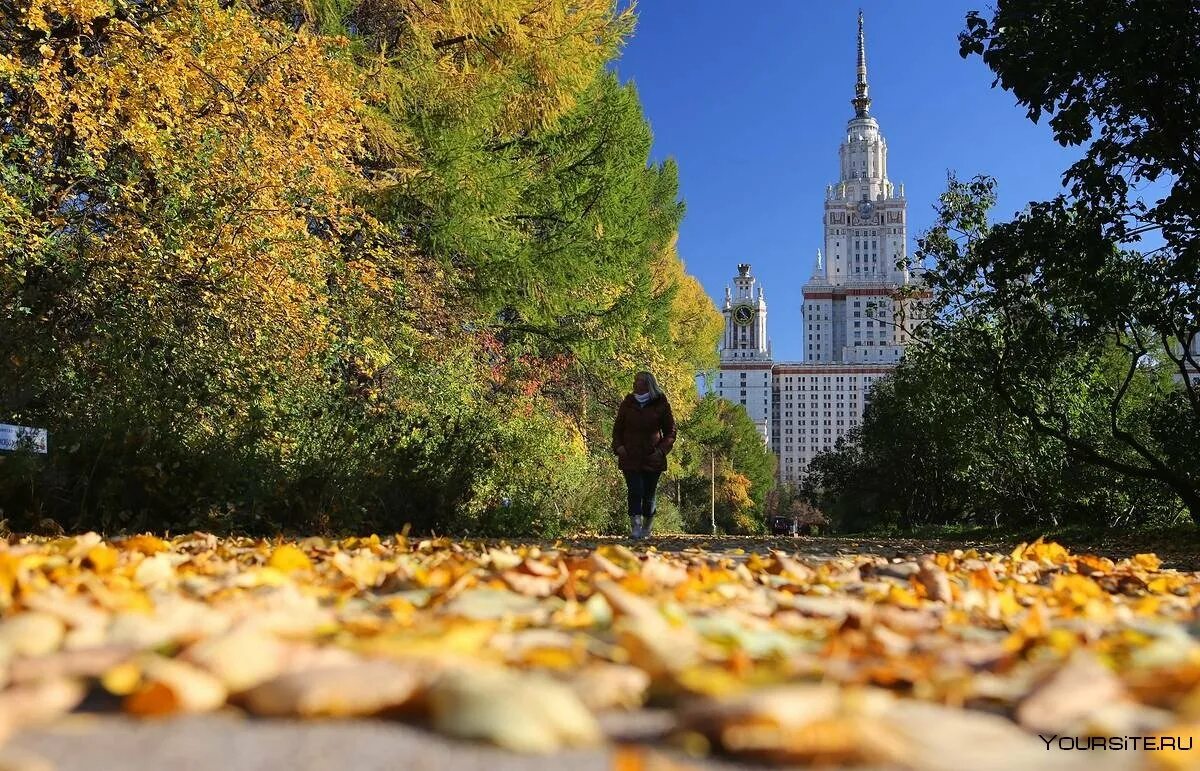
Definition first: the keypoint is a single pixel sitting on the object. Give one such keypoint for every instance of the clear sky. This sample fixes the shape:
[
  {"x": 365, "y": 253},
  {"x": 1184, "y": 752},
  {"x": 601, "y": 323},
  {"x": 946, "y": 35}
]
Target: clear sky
[{"x": 751, "y": 99}]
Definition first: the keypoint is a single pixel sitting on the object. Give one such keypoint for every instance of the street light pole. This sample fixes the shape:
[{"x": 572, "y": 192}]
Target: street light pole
[{"x": 712, "y": 499}]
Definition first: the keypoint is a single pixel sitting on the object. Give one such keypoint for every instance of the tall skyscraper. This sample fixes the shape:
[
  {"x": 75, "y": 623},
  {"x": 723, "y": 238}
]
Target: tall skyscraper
[{"x": 855, "y": 327}]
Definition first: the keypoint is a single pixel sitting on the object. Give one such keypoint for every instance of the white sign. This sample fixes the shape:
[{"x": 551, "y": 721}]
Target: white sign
[{"x": 19, "y": 437}]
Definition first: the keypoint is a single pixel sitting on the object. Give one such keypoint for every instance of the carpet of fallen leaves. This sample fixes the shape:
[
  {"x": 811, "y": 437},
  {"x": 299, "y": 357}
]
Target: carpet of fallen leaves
[{"x": 947, "y": 660}]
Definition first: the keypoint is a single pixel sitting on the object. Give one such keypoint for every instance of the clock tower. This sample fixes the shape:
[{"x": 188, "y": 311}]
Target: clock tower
[
  {"x": 745, "y": 371},
  {"x": 745, "y": 312}
]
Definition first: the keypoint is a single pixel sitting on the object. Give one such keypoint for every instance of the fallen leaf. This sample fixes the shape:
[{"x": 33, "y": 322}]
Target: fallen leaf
[
  {"x": 169, "y": 686},
  {"x": 653, "y": 643},
  {"x": 1069, "y": 695},
  {"x": 799, "y": 724},
  {"x": 934, "y": 581},
  {"x": 88, "y": 662},
  {"x": 358, "y": 689},
  {"x": 240, "y": 659},
  {"x": 287, "y": 558},
  {"x": 1146, "y": 561},
  {"x": 38, "y": 702},
  {"x": 604, "y": 686},
  {"x": 528, "y": 713},
  {"x": 34, "y": 633},
  {"x": 532, "y": 585}
]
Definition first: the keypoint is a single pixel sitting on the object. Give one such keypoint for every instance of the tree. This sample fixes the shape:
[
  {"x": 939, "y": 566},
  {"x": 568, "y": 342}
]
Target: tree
[
  {"x": 330, "y": 265},
  {"x": 1038, "y": 300},
  {"x": 172, "y": 212},
  {"x": 937, "y": 446},
  {"x": 720, "y": 433}
]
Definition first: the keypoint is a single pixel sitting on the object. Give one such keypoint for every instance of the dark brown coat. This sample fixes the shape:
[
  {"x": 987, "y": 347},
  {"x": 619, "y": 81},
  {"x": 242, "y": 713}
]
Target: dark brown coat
[{"x": 646, "y": 433}]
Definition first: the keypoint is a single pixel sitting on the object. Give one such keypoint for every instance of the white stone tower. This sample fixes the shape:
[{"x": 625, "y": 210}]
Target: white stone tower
[
  {"x": 745, "y": 313},
  {"x": 745, "y": 376},
  {"x": 854, "y": 329},
  {"x": 849, "y": 314}
]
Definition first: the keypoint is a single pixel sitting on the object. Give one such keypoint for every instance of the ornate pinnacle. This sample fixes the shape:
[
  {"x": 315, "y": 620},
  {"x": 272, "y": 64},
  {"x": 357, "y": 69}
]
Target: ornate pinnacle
[{"x": 861, "y": 102}]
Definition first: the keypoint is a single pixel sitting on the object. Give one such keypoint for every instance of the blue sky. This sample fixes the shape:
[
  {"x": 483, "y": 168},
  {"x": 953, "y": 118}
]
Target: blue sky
[{"x": 751, "y": 100}]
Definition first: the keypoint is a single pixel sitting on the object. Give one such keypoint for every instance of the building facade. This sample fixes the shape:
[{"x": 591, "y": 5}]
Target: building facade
[{"x": 855, "y": 325}]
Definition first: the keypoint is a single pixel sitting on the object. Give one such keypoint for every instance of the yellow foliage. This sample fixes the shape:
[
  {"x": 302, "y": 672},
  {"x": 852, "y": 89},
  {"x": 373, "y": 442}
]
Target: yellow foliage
[
  {"x": 221, "y": 114},
  {"x": 695, "y": 328},
  {"x": 472, "y": 47}
]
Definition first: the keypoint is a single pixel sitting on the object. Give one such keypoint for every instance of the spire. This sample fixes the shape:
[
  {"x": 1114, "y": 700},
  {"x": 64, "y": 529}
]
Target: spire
[{"x": 861, "y": 102}]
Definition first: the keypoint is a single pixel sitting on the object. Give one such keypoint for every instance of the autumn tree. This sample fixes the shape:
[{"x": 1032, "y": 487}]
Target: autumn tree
[
  {"x": 331, "y": 264},
  {"x": 721, "y": 435},
  {"x": 171, "y": 214},
  {"x": 1099, "y": 268}
]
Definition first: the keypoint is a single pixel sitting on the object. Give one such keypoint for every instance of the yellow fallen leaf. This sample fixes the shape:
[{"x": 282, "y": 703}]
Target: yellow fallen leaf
[
  {"x": 287, "y": 558},
  {"x": 1178, "y": 753},
  {"x": 102, "y": 558},
  {"x": 1047, "y": 554},
  {"x": 123, "y": 679},
  {"x": 1146, "y": 561},
  {"x": 264, "y": 576},
  {"x": 146, "y": 544},
  {"x": 707, "y": 680},
  {"x": 898, "y": 595}
]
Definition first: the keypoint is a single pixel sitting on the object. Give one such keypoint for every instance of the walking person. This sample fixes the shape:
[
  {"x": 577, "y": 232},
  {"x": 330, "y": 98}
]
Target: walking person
[{"x": 643, "y": 433}]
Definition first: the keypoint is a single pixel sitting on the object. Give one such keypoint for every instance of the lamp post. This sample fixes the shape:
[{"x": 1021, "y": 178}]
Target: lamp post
[{"x": 712, "y": 499}]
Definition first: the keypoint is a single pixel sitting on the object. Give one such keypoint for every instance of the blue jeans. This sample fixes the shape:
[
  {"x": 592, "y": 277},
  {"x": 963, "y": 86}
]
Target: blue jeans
[{"x": 641, "y": 485}]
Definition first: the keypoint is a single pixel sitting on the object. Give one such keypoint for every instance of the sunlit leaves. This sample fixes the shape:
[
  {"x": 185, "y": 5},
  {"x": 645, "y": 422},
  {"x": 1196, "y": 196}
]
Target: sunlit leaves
[
  {"x": 330, "y": 264},
  {"x": 444, "y": 632}
]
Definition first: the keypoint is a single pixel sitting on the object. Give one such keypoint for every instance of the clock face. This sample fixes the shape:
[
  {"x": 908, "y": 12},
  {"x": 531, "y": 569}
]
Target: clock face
[
  {"x": 865, "y": 208},
  {"x": 743, "y": 314}
]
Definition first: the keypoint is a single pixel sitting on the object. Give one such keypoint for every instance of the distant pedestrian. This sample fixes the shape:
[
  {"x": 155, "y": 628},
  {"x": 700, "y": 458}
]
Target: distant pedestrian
[{"x": 642, "y": 436}]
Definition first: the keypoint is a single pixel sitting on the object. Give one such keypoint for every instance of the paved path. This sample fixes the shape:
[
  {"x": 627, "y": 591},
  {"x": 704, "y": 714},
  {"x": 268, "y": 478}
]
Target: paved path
[{"x": 230, "y": 742}]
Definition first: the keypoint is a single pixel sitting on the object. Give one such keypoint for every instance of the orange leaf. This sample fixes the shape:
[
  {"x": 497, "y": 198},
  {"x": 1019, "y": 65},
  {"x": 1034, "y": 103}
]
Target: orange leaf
[
  {"x": 146, "y": 544},
  {"x": 1146, "y": 561}
]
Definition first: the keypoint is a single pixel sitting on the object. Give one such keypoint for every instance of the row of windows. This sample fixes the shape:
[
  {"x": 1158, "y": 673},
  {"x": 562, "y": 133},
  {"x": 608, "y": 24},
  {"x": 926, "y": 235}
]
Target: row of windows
[
  {"x": 826, "y": 387},
  {"x": 826, "y": 423},
  {"x": 822, "y": 378},
  {"x": 864, "y": 232}
]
